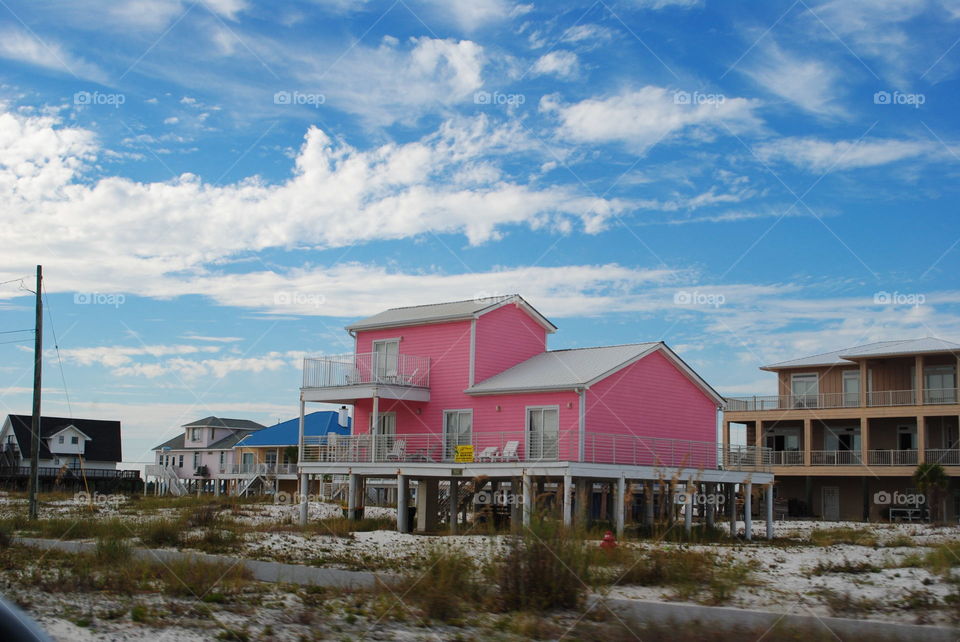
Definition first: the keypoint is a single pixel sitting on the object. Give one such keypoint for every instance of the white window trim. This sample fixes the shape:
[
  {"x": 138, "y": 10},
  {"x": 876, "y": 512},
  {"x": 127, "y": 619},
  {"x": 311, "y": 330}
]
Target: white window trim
[
  {"x": 794, "y": 375},
  {"x": 526, "y": 421},
  {"x": 457, "y": 411}
]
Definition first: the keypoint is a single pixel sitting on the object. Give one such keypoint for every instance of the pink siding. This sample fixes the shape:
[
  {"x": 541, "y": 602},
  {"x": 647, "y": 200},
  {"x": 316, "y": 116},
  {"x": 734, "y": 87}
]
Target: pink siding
[
  {"x": 448, "y": 346},
  {"x": 651, "y": 398},
  {"x": 504, "y": 338}
]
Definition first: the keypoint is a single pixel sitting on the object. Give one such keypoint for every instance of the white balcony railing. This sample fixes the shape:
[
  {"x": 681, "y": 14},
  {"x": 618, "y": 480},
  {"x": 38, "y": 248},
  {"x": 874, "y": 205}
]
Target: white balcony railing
[
  {"x": 262, "y": 469},
  {"x": 943, "y": 456},
  {"x": 835, "y": 458},
  {"x": 875, "y": 399},
  {"x": 893, "y": 457},
  {"x": 787, "y": 457},
  {"x": 520, "y": 446},
  {"x": 366, "y": 368}
]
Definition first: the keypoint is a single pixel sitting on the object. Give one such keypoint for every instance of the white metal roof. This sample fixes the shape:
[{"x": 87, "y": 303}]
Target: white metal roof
[
  {"x": 581, "y": 367},
  {"x": 451, "y": 311},
  {"x": 562, "y": 369},
  {"x": 877, "y": 349}
]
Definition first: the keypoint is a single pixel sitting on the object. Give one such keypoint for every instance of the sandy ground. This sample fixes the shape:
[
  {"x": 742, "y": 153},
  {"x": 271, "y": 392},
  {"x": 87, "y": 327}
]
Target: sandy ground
[{"x": 783, "y": 581}]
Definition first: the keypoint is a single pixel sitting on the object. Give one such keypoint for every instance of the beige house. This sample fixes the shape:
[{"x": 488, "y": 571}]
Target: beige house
[{"x": 848, "y": 428}]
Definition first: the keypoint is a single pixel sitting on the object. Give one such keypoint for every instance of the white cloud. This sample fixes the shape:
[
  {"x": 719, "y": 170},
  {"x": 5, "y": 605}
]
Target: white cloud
[
  {"x": 474, "y": 14},
  {"x": 809, "y": 84},
  {"x": 392, "y": 82},
  {"x": 158, "y": 14},
  {"x": 19, "y": 45},
  {"x": 196, "y": 337},
  {"x": 563, "y": 64},
  {"x": 818, "y": 155},
  {"x": 117, "y": 356},
  {"x": 114, "y": 234},
  {"x": 649, "y": 115},
  {"x": 586, "y": 33}
]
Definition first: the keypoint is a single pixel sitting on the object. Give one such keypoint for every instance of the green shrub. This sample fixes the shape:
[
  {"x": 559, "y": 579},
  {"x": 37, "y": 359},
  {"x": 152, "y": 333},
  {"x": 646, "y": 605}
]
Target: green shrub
[
  {"x": 161, "y": 532},
  {"x": 195, "y": 578},
  {"x": 448, "y": 586},
  {"x": 547, "y": 566},
  {"x": 844, "y": 535}
]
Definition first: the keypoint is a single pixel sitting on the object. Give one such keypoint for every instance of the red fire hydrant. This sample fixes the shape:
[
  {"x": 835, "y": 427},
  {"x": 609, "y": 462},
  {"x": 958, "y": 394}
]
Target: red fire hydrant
[{"x": 609, "y": 541}]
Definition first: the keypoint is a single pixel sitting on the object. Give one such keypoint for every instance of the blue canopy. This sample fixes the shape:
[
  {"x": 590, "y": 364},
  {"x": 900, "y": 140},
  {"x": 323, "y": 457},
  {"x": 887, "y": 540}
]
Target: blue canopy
[{"x": 317, "y": 424}]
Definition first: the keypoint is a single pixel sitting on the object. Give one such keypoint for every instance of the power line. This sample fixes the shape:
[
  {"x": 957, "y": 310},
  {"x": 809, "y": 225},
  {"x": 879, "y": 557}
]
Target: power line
[
  {"x": 13, "y": 280},
  {"x": 3, "y": 343},
  {"x": 12, "y": 331},
  {"x": 56, "y": 345}
]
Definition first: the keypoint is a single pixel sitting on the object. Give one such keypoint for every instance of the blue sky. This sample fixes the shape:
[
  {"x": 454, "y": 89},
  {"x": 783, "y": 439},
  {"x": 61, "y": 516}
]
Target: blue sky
[{"x": 216, "y": 188}]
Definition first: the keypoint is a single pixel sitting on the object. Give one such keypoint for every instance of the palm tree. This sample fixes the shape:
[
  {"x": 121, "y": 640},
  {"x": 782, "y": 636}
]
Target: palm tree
[{"x": 932, "y": 481}]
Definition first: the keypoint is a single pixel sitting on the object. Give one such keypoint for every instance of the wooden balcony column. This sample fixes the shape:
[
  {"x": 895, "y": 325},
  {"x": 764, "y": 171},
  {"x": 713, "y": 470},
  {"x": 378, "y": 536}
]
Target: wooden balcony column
[
  {"x": 921, "y": 439},
  {"x": 758, "y": 434},
  {"x": 807, "y": 441},
  {"x": 918, "y": 383},
  {"x": 864, "y": 441},
  {"x": 864, "y": 377}
]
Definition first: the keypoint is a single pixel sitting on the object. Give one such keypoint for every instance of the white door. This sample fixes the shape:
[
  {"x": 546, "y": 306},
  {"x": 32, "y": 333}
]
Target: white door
[
  {"x": 806, "y": 390},
  {"x": 831, "y": 503},
  {"x": 457, "y": 431},
  {"x": 543, "y": 432},
  {"x": 386, "y": 355},
  {"x": 384, "y": 434}
]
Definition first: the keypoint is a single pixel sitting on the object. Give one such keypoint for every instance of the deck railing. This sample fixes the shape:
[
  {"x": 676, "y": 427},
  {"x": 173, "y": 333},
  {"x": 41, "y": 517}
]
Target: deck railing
[
  {"x": 943, "y": 456},
  {"x": 262, "y": 469},
  {"x": 366, "y": 368},
  {"x": 875, "y": 399},
  {"x": 893, "y": 457},
  {"x": 787, "y": 457},
  {"x": 520, "y": 446},
  {"x": 69, "y": 473}
]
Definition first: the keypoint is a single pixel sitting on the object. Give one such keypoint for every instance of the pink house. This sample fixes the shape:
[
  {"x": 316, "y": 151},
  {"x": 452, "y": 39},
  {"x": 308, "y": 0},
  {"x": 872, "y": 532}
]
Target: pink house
[{"x": 468, "y": 390}]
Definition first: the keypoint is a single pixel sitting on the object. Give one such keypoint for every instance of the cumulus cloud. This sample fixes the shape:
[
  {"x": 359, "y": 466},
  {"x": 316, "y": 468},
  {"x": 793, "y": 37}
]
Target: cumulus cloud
[
  {"x": 646, "y": 116},
  {"x": 114, "y": 234},
  {"x": 563, "y": 64}
]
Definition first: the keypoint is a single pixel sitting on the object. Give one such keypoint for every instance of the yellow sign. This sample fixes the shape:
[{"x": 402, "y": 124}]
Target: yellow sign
[{"x": 464, "y": 454}]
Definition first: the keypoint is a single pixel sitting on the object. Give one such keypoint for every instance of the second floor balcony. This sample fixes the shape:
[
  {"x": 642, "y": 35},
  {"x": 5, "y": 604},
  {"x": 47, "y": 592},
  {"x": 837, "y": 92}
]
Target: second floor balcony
[
  {"x": 874, "y": 399},
  {"x": 347, "y": 377}
]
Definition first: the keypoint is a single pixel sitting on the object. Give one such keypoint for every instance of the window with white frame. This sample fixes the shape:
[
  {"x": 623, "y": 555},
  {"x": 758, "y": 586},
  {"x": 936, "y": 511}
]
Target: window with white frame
[
  {"x": 805, "y": 390},
  {"x": 457, "y": 430}
]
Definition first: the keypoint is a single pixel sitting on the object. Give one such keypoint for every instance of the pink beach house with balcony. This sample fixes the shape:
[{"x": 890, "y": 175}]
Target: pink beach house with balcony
[{"x": 464, "y": 398}]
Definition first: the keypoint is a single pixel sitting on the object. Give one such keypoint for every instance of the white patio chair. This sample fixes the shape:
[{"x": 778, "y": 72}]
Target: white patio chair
[
  {"x": 509, "y": 452},
  {"x": 490, "y": 453},
  {"x": 398, "y": 451}
]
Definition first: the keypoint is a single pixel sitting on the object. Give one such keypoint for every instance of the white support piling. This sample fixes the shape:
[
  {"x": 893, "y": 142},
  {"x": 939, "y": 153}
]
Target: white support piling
[
  {"x": 527, "y": 498},
  {"x": 770, "y": 511},
  {"x": 688, "y": 509},
  {"x": 567, "y": 500},
  {"x": 747, "y": 511},
  {"x": 620, "y": 507},
  {"x": 403, "y": 515},
  {"x": 304, "y": 485},
  {"x": 352, "y": 496}
]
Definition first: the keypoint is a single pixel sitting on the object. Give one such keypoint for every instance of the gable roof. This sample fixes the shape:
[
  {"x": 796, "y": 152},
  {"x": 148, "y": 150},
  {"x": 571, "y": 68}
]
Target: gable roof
[
  {"x": 578, "y": 368},
  {"x": 287, "y": 433},
  {"x": 450, "y": 311},
  {"x": 104, "y": 444},
  {"x": 179, "y": 442},
  {"x": 218, "y": 422},
  {"x": 66, "y": 428},
  {"x": 876, "y": 349}
]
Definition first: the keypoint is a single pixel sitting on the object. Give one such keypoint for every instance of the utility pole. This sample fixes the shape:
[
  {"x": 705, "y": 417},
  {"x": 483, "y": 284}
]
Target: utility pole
[{"x": 35, "y": 422}]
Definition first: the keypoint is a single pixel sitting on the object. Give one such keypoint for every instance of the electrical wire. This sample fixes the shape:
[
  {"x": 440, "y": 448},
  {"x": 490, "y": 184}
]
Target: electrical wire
[
  {"x": 12, "y": 331},
  {"x": 56, "y": 346}
]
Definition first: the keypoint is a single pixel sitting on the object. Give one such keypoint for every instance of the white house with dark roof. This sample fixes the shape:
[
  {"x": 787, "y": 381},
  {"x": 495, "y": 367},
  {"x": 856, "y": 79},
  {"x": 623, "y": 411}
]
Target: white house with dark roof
[{"x": 201, "y": 456}]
